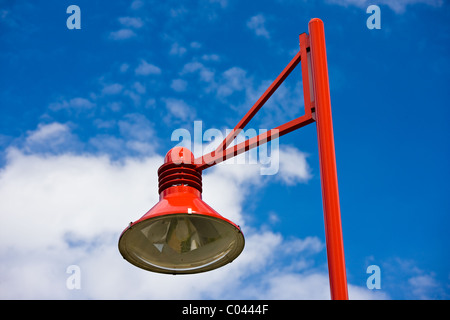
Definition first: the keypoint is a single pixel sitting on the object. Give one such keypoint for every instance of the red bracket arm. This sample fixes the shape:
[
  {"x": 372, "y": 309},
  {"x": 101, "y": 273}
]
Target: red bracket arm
[
  {"x": 316, "y": 92},
  {"x": 223, "y": 153}
]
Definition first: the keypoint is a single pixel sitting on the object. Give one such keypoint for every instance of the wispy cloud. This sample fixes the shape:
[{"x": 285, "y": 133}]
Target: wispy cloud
[
  {"x": 233, "y": 80},
  {"x": 177, "y": 50},
  {"x": 239, "y": 89},
  {"x": 133, "y": 22},
  {"x": 137, "y": 4},
  {"x": 77, "y": 103},
  {"x": 129, "y": 25},
  {"x": 178, "y": 110},
  {"x": 179, "y": 85},
  {"x": 206, "y": 74},
  {"x": 122, "y": 34},
  {"x": 136, "y": 127},
  {"x": 136, "y": 137},
  {"x": 145, "y": 69},
  {"x": 111, "y": 89},
  {"x": 51, "y": 138},
  {"x": 257, "y": 24},
  {"x": 404, "y": 278}
]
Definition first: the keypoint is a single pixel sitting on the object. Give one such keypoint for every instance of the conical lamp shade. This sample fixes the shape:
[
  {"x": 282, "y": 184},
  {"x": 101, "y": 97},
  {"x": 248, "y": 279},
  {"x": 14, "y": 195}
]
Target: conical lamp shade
[{"x": 181, "y": 234}]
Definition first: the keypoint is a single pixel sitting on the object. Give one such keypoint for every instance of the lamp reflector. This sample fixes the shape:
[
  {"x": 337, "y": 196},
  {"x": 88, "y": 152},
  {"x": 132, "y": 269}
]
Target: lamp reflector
[{"x": 181, "y": 243}]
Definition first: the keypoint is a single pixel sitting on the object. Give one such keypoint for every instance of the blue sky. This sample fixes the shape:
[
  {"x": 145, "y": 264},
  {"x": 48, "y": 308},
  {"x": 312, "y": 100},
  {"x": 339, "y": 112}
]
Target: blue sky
[{"x": 88, "y": 114}]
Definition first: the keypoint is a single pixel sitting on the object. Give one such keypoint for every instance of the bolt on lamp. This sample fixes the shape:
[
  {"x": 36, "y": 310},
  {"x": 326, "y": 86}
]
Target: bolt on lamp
[{"x": 181, "y": 234}]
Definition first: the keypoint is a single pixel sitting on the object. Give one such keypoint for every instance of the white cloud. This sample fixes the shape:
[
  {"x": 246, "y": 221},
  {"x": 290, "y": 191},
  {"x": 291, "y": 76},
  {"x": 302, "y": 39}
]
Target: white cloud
[
  {"x": 210, "y": 57},
  {"x": 423, "y": 286},
  {"x": 132, "y": 22},
  {"x": 398, "y": 6},
  {"x": 192, "y": 67},
  {"x": 237, "y": 88},
  {"x": 136, "y": 127},
  {"x": 139, "y": 87},
  {"x": 137, "y": 4},
  {"x": 176, "y": 12},
  {"x": 412, "y": 281},
  {"x": 206, "y": 74},
  {"x": 46, "y": 132},
  {"x": 57, "y": 211},
  {"x": 257, "y": 24},
  {"x": 80, "y": 103},
  {"x": 53, "y": 137},
  {"x": 135, "y": 97},
  {"x": 177, "y": 50},
  {"x": 69, "y": 209},
  {"x": 136, "y": 137},
  {"x": 179, "y": 85},
  {"x": 127, "y": 32},
  {"x": 141, "y": 147},
  {"x": 112, "y": 89},
  {"x": 289, "y": 286},
  {"x": 122, "y": 34},
  {"x": 362, "y": 293},
  {"x": 124, "y": 67},
  {"x": 146, "y": 68},
  {"x": 232, "y": 80},
  {"x": 195, "y": 45},
  {"x": 77, "y": 103},
  {"x": 293, "y": 166},
  {"x": 178, "y": 109},
  {"x": 312, "y": 244}
]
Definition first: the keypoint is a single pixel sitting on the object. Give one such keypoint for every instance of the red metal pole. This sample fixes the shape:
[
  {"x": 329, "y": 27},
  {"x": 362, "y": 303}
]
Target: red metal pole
[{"x": 328, "y": 172}]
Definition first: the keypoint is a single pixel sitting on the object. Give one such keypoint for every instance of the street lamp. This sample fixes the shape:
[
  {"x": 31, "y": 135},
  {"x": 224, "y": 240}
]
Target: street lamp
[{"x": 181, "y": 234}]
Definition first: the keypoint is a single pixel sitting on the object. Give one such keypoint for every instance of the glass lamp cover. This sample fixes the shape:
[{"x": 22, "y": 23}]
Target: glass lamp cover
[{"x": 181, "y": 243}]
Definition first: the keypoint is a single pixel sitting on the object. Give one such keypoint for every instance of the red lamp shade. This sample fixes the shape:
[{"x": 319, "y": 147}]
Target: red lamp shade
[{"x": 181, "y": 234}]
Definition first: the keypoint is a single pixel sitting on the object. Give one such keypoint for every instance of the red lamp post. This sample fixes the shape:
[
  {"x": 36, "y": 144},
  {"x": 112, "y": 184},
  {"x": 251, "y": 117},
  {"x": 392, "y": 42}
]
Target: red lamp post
[
  {"x": 327, "y": 158},
  {"x": 182, "y": 234}
]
